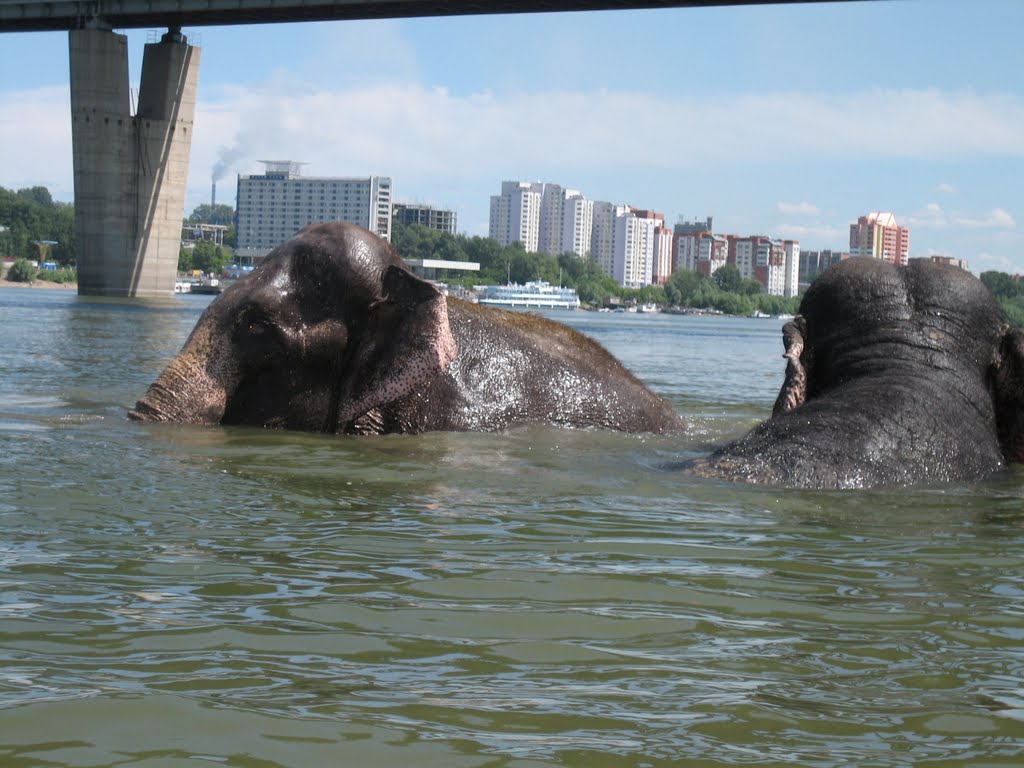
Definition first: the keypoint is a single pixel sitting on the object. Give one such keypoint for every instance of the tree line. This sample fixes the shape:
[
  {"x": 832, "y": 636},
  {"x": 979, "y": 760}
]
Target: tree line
[
  {"x": 203, "y": 254},
  {"x": 31, "y": 216},
  {"x": 1008, "y": 292}
]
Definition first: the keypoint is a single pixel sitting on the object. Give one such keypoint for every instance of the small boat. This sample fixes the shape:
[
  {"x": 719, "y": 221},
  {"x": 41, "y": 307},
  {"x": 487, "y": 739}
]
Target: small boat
[{"x": 208, "y": 287}]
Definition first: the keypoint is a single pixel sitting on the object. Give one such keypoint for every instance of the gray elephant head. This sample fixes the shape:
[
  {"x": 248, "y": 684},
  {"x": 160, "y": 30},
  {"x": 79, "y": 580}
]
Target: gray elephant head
[
  {"x": 329, "y": 325},
  {"x": 894, "y": 376},
  {"x": 332, "y": 333}
]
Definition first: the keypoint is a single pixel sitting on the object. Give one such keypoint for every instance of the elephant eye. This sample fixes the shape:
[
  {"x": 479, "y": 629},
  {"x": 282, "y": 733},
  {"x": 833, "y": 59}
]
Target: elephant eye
[{"x": 257, "y": 327}]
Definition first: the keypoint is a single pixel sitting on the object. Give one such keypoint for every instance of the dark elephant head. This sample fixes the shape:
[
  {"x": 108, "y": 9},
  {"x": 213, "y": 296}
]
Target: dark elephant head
[
  {"x": 332, "y": 333},
  {"x": 894, "y": 376},
  {"x": 330, "y": 324}
]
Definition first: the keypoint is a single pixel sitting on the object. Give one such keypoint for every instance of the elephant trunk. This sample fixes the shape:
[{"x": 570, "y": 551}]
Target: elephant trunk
[
  {"x": 194, "y": 388},
  {"x": 183, "y": 393}
]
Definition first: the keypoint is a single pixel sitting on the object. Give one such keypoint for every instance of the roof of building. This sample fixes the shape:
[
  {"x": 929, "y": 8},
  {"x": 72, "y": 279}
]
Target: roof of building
[{"x": 882, "y": 218}]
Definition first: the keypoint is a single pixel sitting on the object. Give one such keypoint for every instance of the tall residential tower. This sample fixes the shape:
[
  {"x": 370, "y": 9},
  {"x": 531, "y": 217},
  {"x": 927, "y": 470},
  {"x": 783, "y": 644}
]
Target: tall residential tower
[
  {"x": 515, "y": 215},
  {"x": 878, "y": 236}
]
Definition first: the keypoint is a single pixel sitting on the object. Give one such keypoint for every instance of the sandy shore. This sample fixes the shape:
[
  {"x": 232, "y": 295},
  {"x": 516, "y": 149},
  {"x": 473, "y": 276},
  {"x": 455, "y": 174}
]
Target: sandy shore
[{"x": 39, "y": 284}]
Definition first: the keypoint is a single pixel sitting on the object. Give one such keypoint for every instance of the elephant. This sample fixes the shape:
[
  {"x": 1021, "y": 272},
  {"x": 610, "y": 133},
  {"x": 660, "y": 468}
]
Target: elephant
[
  {"x": 332, "y": 333},
  {"x": 895, "y": 376}
]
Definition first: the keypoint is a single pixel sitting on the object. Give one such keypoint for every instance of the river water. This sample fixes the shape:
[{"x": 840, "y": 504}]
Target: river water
[{"x": 179, "y": 596}]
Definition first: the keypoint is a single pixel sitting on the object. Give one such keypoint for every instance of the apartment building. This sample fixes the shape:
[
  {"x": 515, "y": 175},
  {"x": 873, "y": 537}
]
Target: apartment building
[
  {"x": 702, "y": 252},
  {"x": 791, "y": 286},
  {"x": 813, "y": 263},
  {"x": 631, "y": 245},
  {"x": 664, "y": 254},
  {"x": 274, "y": 205},
  {"x": 775, "y": 264},
  {"x": 426, "y": 216},
  {"x": 878, "y": 236},
  {"x": 577, "y": 224},
  {"x": 552, "y": 197},
  {"x": 633, "y": 256},
  {"x": 602, "y": 241},
  {"x": 743, "y": 253},
  {"x": 544, "y": 217},
  {"x": 515, "y": 215},
  {"x": 684, "y": 243},
  {"x": 778, "y": 267},
  {"x": 949, "y": 261}
]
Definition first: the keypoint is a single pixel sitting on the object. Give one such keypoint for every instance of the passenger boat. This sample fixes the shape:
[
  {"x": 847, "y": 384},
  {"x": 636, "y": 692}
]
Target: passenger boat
[{"x": 538, "y": 294}]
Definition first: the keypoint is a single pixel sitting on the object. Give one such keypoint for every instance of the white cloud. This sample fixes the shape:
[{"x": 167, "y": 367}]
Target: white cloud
[
  {"x": 998, "y": 218},
  {"x": 815, "y": 236},
  {"x": 933, "y": 216},
  {"x": 946, "y": 189},
  {"x": 425, "y": 135},
  {"x": 431, "y": 138},
  {"x": 798, "y": 209},
  {"x": 984, "y": 261},
  {"x": 35, "y": 130}
]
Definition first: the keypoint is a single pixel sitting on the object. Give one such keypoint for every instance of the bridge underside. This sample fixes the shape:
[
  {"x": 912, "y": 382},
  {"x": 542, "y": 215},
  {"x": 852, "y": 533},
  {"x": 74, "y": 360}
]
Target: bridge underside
[{"x": 39, "y": 15}]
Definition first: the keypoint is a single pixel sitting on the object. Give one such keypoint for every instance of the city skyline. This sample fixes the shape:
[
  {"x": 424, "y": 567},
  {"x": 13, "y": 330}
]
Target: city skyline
[{"x": 790, "y": 121}]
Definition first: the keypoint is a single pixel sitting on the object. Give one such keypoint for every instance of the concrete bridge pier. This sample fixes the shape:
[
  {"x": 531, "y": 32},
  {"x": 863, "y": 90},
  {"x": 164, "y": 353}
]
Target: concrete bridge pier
[{"x": 130, "y": 170}]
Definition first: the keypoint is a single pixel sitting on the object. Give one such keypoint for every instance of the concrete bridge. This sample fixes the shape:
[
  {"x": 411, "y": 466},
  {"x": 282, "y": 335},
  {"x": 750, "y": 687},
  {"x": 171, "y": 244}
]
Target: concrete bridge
[{"x": 130, "y": 170}]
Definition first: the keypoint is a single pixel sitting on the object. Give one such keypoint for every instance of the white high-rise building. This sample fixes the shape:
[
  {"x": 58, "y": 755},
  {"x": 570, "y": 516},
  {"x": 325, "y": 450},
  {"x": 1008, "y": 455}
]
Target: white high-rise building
[
  {"x": 515, "y": 215},
  {"x": 552, "y": 196},
  {"x": 602, "y": 240},
  {"x": 686, "y": 252},
  {"x": 545, "y": 218},
  {"x": 778, "y": 266},
  {"x": 745, "y": 254},
  {"x": 633, "y": 259},
  {"x": 273, "y": 206},
  {"x": 791, "y": 284},
  {"x": 577, "y": 224}
]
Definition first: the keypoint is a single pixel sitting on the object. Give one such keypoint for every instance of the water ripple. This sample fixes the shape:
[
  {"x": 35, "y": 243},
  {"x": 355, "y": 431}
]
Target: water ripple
[{"x": 533, "y": 598}]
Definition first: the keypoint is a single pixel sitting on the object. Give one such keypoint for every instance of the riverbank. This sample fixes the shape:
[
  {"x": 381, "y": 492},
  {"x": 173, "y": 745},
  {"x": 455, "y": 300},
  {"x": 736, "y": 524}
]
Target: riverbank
[{"x": 38, "y": 284}]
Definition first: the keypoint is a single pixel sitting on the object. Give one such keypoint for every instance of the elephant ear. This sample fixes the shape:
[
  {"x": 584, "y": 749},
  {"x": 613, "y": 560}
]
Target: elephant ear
[
  {"x": 794, "y": 388},
  {"x": 1008, "y": 393},
  {"x": 407, "y": 340}
]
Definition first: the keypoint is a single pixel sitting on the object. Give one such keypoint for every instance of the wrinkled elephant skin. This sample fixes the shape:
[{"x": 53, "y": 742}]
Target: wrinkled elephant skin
[
  {"x": 895, "y": 376},
  {"x": 332, "y": 333}
]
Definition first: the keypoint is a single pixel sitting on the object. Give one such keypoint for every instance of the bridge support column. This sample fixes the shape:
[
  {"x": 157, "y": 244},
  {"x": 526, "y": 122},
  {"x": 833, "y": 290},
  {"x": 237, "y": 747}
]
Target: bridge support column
[{"x": 130, "y": 171}]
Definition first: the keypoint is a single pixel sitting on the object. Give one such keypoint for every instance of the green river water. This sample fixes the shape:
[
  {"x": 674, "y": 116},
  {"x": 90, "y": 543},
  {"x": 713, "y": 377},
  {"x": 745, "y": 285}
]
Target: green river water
[{"x": 179, "y": 596}]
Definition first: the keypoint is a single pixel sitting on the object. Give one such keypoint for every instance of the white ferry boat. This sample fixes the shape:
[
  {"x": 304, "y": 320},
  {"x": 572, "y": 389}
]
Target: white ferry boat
[{"x": 537, "y": 294}]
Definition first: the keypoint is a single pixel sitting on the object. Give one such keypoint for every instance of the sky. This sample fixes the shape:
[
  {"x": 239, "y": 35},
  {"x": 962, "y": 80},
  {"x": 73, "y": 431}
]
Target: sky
[{"x": 782, "y": 120}]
